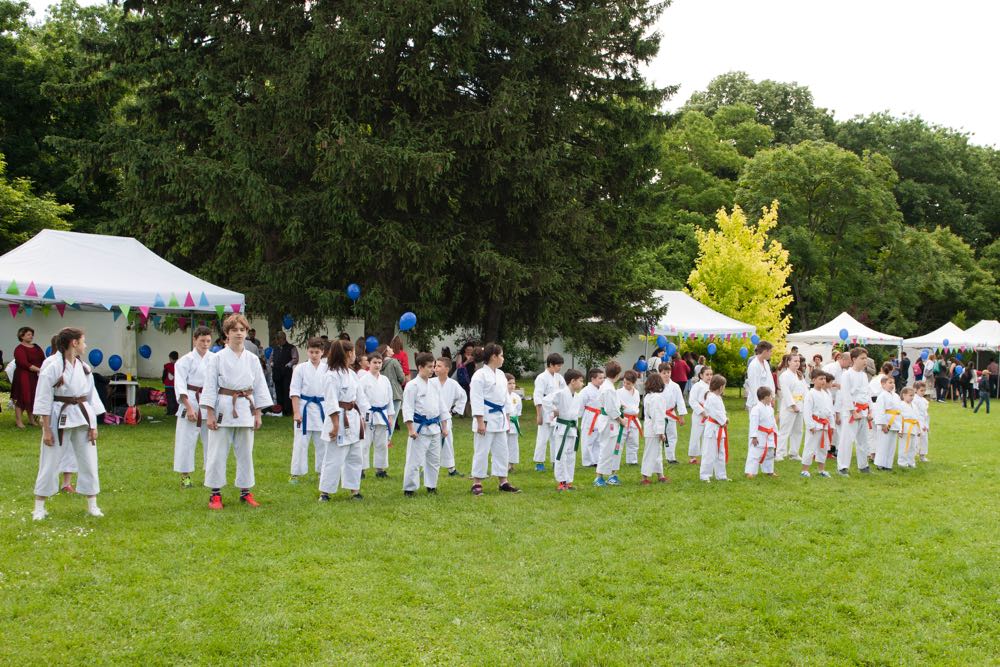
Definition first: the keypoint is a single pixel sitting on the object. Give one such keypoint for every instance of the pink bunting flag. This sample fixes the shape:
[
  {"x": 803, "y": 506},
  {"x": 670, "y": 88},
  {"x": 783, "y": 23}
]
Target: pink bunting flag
[
  {"x": 189, "y": 301},
  {"x": 236, "y": 307},
  {"x": 13, "y": 309},
  {"x": 182, "y": 322},
  {"x": 145, "y": 311},
  {"x": 61, "y": 307},
  {"x": 31, "y": 291}
]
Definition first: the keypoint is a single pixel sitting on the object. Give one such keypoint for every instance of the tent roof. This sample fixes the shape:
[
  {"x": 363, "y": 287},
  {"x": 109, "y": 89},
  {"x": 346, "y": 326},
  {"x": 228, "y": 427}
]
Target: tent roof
[
  {"x": 856, "y": 333},
  {"x": 687, "y": 315},
  {"x": 984, "y": 335},
  {"x": 97, "y": 272},
  {"x": 946, "y": 332}
]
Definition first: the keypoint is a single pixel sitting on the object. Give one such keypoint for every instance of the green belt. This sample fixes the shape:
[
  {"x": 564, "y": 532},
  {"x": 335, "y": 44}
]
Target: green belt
[
  {"x": 568, "y": 423},
  {"x": 516, "y": 421},
  {"x": 621, "y": 432}
]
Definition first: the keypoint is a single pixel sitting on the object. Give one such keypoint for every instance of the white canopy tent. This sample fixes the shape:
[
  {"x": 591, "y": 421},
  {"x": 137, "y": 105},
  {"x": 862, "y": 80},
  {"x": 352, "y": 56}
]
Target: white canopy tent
[
  {"x": 857, "y": 333},
  {"x": 686, "y": 315},
  {"x": 984, "y": 335},
  {"x": 934, "y": 339}
]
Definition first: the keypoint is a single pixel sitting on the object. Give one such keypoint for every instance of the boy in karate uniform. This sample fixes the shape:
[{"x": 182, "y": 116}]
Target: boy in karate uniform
[
  {"x": 696, "y": 399},
  {"x": 345, "y": 406},
  {"x": 514, "y": 423},
  {"x": 610, "y": 425},
  {"x": 715, "y": 434},
  {"x": 68, "y": 404},
  {"x": 189, "y": 379},
  {"x": 887, "y": 417},
  {"x": 763, "y": 436},
  {"x": 817, "y": 410},
  {"x": 675, "y": 411},
  {"x": 380, "y": 418},
  {"x": 655, "y": 406},
  {"x": 307, "y": 390},
  {"x": 488, "y": 395},
  {"x": 454, "y": 398},
  {"x": 853, "y": 417},
  {"x": 590, "y": 436},
  {"x": 426, "y": 416},
  {"x": 235, "y": 393},
  {"x": 909, "y": 433},
  {"x": 923, "y": 414},
  {"x": 547, "y": 383},
  {"x": 629, "y": 398},
  {"x": 565, "y": 407}
]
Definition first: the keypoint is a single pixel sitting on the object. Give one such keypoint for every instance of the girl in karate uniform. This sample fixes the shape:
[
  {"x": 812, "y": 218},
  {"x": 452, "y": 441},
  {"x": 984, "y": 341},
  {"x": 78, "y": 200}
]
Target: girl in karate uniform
[
  {"x": 343, "y": 430},
  {"x": 715, "y": 434},
  {"x": 792, "y": 385}
]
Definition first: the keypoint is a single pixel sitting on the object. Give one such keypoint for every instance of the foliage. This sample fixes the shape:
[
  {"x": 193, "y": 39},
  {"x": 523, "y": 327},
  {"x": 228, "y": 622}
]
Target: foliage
[{"x": 22, "y": 214}]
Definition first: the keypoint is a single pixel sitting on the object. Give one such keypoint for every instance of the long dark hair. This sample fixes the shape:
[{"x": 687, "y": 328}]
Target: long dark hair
[
  {"x": 336, "y": 360},
  {"x": 65, "y": 338}
]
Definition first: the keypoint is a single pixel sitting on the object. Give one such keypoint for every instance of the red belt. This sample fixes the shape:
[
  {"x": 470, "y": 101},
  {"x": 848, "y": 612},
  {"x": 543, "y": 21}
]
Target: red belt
[
  {"x": 770, "y": 432},
  {"x": 825, "y": 432},
  {"x": 672, "y": 415},
  {"x": 722, "y": 438},
  {"x": 633, "y": 419},
  {"x": 593, "y": 423},
  {"x": 860, "y": 407}
]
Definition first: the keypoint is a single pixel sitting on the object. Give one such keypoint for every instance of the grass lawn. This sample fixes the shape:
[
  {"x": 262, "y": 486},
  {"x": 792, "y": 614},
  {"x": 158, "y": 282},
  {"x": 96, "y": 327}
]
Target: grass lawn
[{"x": 893, "y": 569}]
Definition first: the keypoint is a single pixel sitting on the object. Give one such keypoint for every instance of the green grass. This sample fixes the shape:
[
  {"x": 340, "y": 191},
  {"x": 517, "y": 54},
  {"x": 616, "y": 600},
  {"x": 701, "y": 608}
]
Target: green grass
[{"x": 893, "y": 569}]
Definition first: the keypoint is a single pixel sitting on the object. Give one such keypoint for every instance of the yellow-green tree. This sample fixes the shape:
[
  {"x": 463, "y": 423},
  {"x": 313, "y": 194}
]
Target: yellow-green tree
[{"x": 743, "y": 273}]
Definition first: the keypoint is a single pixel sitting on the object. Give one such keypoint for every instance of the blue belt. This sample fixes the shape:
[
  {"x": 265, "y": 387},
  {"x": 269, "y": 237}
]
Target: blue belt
[
  {"x": 381, "y": 410},
  {"x": 423, "y": 421},
  {"x": 318, "y": 401},
  {"x": 494, "y": 407}
]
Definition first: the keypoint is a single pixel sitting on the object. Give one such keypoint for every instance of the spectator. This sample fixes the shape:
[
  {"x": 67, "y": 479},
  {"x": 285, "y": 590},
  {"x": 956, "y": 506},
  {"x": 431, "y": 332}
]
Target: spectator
[
  {"x": 284, "y": 358},
  {"x": 994, "y": 370},
  {"x": 392, "y": 370},
  {"x": 904, "y": 372},
  {"x": 985, "y": 384},
  {"x": 401, "y": 356},
  {"x": 680, "y": 372},
  {"x": 918, "y": 370},
  {"x": 966, "y": 382},
  {"x": 28, "y": 358},
  {"x": 252, "y": 337},
  {"x": 939, "y": 370},
  {"x": 168, "y": 383}
]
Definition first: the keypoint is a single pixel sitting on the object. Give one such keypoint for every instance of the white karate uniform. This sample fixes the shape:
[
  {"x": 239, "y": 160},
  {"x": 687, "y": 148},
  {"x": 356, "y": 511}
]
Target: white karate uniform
[
  {"x": 819, "y": 436},
  {"x": 911, "y": 424},
  {"x": 611, "y": 447},
  {"x": 714, "y": 438},
  {"x": 793, "y": 394},
  {"x": 189, "y": 378},
  {"x": 674, "y": 405},
  {"x": 837, "y": 371},
  {"x": 378, "y": 420},
  {"x": 67, "y": 463},
  {"x": 565, "y": 431},
  {"x": 590, "y": 434},
  {"x": 546, "y": 384},
  {"x": 70, "y": 425},
  {"x": 454, "y": 398},
  {"x": 342, "y": 463},
  {"x": 696, "y": 399},
  {"x": 226, "y": 370},
  {"x": 758, "y": 375},
  {"x": 309, "y": 384},
  {"x": 885, "y": 443},
  {"x": 655, "y": 407},
  {"x": 489, "y": 385},
  {"x": 853, "y": 391},
  {"x": 423, "y": 402},
  {"x": 923, "y": 414},
  {"x": 513, "y": 445},
  {"x": 760, "y": 456},
  {"x": 875, "y": 386},
  {"x": 630, "y": 440}
]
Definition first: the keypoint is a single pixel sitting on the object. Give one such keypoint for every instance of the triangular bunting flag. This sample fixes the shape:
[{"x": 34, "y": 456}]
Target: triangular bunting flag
[
  {"x": 189, "y": 302},
  {"x": 203, "y": 301},
  {"x": 12, "y": 288},
  {"x": 117, "y": 314},
  {"x": 68, "y": 302},
  {"x": 158, "y": 301},
  {"x": 49, "y": 294},
  {"x": 27, "y": 310},
  {"x": 61, "y": 307},
  {"x": 108, "y": 306},
  {"x": 144, "y": 310},
  {"x": 13, "y": 309},
  {"x": 46, "y": 309},
  {"x": 236, "y": 307},
  {"x": 220, "y": 311},
  {"x": 125, "y": 310},
  {"x": 173, "y": 303},
  {"x": 31, "y": 291}
]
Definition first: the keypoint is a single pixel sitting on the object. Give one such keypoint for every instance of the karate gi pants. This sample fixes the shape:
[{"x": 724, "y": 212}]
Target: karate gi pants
[
  {"x": 300, "y": 451},
  {"x": 789, "y": 435},
  {"x": 50, "y": 458},
  {"x": 609, "y": 462},
  {"x": 590, "y": 445},
  {"x": 630, "y": 443},
  {"x": 492, "y": 444},
  {"x": 564, "y": 466},
  {"x": 812, "y": 448},
  {"x": 853, "y": 436},
  {"x": 713, "y": 455},
  {"x": 240, "y": 438},
  {"x": 671, "y": 445},
  {"x": 885, "y": 447},
  {"x": 652, "y": 456},
  {"x": 341, "y": 467},
  {"x": 754, "y": 455},
  {"x": 67, "y": 462},
  {"x": 186, "y": 436},
  {"x": 448, "y": 448},
  {"x": 542, "y": 437},
  {"x": 377, "y": 439},
  {"x": 513, "y": 449},
  {"x": 694, "y": 442},
  {"x": 907, "y": 457},
  {"x": 922, "y": 446},
  {"x": 423, "y": 451}
]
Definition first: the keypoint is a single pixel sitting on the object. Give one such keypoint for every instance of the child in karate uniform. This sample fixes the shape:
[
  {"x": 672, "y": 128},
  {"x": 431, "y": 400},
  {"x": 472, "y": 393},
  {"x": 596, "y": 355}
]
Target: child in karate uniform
[
  {"x": 908, "y": 437},
  {"x": 488, "y": 395},
  {"x": 887, "y": 419},
  {"x": 547, "y": 383},
  {"x": 923, "y": 413},
  {"x": 611, "y": 426},
  {"x": 513, "y": 423},
  {"x": 565, "y": 406},
  {"x": 629, "y": 398},
  {"x": 590, "y": 436},
  {"x": 454, "y": 398},
  {"x": 424, "y": 412},
  {"x": 763, "y": 436},
  {"x": 675, "y": 411},
  {"x": 715, "y": 434},
  {"x": 817, "y": 410},
  {"x": 189, "y": 381},
  {"x": 380, "y": 418},
  {"x": 696, "y": 399},
  {"x": 307, "y": 389},
  {"x": 853, "y": 418},
  {"x": 345, "y": 406},
  {"x": 793, "y": 387},
  {"x": 68, "y": 404},
  {"x": 234, "y": 395},
  {"x": 655, "y": 406}
]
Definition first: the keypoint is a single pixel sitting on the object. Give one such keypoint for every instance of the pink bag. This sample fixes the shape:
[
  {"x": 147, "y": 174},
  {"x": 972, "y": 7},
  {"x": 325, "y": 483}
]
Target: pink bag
[{"x": 111, "y": 419}]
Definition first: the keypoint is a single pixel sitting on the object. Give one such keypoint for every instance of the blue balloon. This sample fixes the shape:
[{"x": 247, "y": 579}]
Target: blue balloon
[
  {"x": 744, "y": 352},
  {"x": 353, "y": 292},
  {"x": 641, "y": 366},
  {"x": 267, "y": 353},
  {"x": 843, "y": 334},
  {"x": 958, "y": 356},
  {"x": 924, "y": 354},
  {"x": 145, "y": 352},
  {"x": 115, "y": 362},
  {"x": 959, "y": 370},
  {"x": 712, "y": 347},
  {"x": 945, "y": 341},
  {"x": 216, "y": 348},
  {"x": 670, "y": 350},
  {"x": 371, "y": 344},
  {"x": 48, "y": 351},
  {"x": 287, "y": 321},
  {"x": 96, "y": 357},
  {"x": 407, "y": 321},
  {"x": 755, "y": 339},
  {"x": 661, "y": 341}
]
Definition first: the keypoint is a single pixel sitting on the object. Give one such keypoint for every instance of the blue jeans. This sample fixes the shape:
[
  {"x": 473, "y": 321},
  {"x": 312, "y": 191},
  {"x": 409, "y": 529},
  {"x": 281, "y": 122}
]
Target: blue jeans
[{"x": 983, "y": 396}]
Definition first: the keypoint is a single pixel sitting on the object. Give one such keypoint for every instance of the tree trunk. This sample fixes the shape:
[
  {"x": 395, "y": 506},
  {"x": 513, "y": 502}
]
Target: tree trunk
[{"x": 493, "y": 323}]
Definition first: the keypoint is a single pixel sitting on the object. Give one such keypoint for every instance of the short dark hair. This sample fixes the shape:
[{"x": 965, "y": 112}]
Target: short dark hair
[
  {"x": 763, "y": 392},
  {"x": 654, "y": 384},
  {"x": 887, "y": 367},
  {"x": 423, "y": 359},
  {"x": 612, "y": 369},
  {"x": 510, "y": 376},
  {"x": 572, "y": 374},
  {"x": 665, "y": 366},
  {"x": 857, "y": 352},
  {"x": 631, "y": 376},
  {"x": 829, "y": 377},
  {"x": 316, "y": 343},
  {"x": 22, "y": 331},
  {"x": 594, "y": 372},
  {"x": 762, "y": 346},
  {"x": 445, "y": 360},
  {"x": 200, "y": 331},
  {"x": 554, "y": 359},
  {"x": 174, "y": 356},
  {"x": 817, "y": 372}
]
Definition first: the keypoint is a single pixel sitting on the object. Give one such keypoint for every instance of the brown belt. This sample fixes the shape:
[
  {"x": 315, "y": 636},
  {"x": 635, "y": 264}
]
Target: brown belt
[
  {"x": 352, "y": 405},
  {"x": 79, "y": 401},
  {"x": 197, "y": 400},
  {"x": 238, "y": 393}
]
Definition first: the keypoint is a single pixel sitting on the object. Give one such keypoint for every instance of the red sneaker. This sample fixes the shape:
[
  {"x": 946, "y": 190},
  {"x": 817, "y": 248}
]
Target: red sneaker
[
  {"x": 693, "y": 461},
  {"x": 561, "y": 486},
  {"x": 645, "y": 482},
  {"x": 249, "y": 500},
  {"x": 68, "y": 489},
  {"x": 663, "y": 480},
  {"x": 215, "y": 502}
]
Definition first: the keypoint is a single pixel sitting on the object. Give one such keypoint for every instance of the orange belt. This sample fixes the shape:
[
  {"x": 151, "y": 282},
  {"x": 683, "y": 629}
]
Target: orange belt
[
  {"x": 860, "y": 407},
  {"x": 593, "y": 423},
  {"x": 825, "y": 432},
  {"x": 770, "y": 432},
  {"x": 633, "y": 419},
  {"x": 672, "y": 415},
  {"x": 722, "y": 438}
]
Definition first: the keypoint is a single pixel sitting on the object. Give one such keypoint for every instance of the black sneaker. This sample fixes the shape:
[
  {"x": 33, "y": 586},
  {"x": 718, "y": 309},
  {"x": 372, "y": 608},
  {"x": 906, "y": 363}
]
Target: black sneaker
[
  {"x": 382, "y": 473},
  {"x": 865, "y": 470},
  {"x": 507, "y": 487},
  {"x": 324, "y": 497},
  {"x": 357, "y": 496},
  {"x": 673, "y": 463},
  {"x": 843, "y": 472},
  {"x": 408, "y": 494},
  {"x": 431, "y": 491},
  {"x": 454, "y": 473}
]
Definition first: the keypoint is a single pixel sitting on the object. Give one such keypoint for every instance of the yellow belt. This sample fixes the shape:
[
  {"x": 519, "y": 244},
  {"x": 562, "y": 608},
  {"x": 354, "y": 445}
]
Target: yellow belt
[
  {"x": 894, "y": 413},
  {"x": 908, "y": 424}
]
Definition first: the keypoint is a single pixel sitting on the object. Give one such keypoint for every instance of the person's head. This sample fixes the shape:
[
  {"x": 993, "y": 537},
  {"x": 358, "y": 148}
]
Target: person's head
[
  {"x": 790, "y": 362},
  {"x": 554, "y": 363},
  {"x": 442, "y": 368},
  {"x": 425, "y": 364},
  {"x": 706, "y": 374},
  {"x": 341, "y": 355},
  {"x": 359, "y": 348},
  {"x": 201, "y": 339},
  {"x": 630, "y": 378},
  {"x": 658, "y": 353},
  {"x": 173, "y": 356},
  {"x": 375, "y": 363},
  {"x": 907, "y": 394},
  {"x": 26, "y": 335},
  {"x": 70, "y": 342},
  {"x": 818, "y": 379},
  {"x": 252, "y": 333},
  {"x": 396, "y": 344},
  {"x": 763, "y": 350},
  {"x": 835, "y": 355},
  {"x": 701, "y": 359},
  {"x": 279, "y": 338},
  {"x": 574, "y": 380},
  {"x": 315, "y": 349},
  {"x": 596, "y": 376},
  {"x": 888, "y": 384},
  {"x": 235, "y": 330},
  {"x": 654, "y": 384},
  {"x": 468, "y": 352},
  {"x": 829, "y": 379},
  {"x": 612, "y": 370},
  {"x": 343, "y": 335},
  {"x": 931, "y": 357},
  {"x": 717, "y": 385},
  {"x": 765, "y": 395},
  {"x": 795, "y": 349},
  {"x": 664, "y": 371},
  {"x": 362, "y": 363},
  {"x": 54, "y": 345},
  {"x": 858, "y": 358},
  {"x": 511, "y": 382},
  {"x": 920, "y": 387},
  {"x": 887, "y": 368},
  {"x": 817, "y": 359},
  {"x": 493, "y": 355}
]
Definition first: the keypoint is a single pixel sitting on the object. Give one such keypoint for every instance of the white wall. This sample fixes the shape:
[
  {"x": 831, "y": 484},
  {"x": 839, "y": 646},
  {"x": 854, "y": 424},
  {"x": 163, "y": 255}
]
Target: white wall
[{"x": 100, "y": 329}]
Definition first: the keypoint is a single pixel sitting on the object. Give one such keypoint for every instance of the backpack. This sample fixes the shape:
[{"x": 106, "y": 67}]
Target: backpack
[
  {"x": 937, "y": 368},
  {"x": 132, "y": 415}
]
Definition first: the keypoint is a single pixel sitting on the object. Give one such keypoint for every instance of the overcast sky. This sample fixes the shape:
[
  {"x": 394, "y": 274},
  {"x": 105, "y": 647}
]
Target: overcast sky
[{"x": 936, "y": 59}]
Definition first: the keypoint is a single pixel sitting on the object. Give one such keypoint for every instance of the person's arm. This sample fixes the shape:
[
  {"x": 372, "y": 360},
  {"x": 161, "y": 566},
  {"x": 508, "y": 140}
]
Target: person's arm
[
  {"x": 210, "y": 392},
  {"x": 754, "y": 425},
  {"x": 409, "y": 407},
  {"x": 43, "y": 403},
  {"x": 21, "y": 358},
  {"x": 538, "y": 396},
  {"x": 458, "y": 406},
  {"x": 476, "y": 398}
]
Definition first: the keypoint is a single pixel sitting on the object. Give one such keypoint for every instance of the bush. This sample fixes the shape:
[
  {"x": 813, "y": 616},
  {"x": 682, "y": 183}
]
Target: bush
[{"x": 520, "y": 359}]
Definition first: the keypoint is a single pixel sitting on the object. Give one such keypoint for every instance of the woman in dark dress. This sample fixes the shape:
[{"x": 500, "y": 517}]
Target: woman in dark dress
[{"x": 28, "y": 359}]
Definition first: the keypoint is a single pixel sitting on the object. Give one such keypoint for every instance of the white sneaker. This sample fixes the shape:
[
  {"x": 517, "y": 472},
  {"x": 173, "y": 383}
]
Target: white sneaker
[
  {"x": 804, "y": 473},
  {"x": 95, "y": 512},
  {"x": 39, "y": 515}
]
